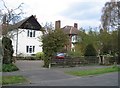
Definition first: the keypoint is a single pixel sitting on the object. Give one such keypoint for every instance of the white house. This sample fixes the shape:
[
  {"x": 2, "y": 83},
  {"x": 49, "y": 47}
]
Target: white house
[{"x": 26, "y": 40}]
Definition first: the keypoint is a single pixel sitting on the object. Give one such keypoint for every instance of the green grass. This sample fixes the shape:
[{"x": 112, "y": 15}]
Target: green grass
[
  {"x": 9, "y": 68},
  {"x": 13, "y": 79},
  {"x": 94, "y": 72}
]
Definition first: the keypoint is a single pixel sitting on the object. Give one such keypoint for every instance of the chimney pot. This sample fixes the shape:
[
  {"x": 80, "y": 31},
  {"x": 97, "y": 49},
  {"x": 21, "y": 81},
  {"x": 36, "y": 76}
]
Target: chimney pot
[{"x": 76, "y": 25}]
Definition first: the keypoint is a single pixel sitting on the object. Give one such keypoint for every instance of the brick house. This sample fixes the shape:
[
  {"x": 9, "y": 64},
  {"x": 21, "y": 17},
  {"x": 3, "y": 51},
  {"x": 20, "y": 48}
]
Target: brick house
[{"x": 72, "y": 32}]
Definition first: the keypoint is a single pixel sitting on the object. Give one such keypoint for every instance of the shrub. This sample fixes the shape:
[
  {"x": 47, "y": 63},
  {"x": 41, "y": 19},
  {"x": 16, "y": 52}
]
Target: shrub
[
  {"x": 90, "y": 50},
  {"x": 7, "y": 50},
  {"x": 40, "y": 55},
  {"x": 9, "y": 68}
]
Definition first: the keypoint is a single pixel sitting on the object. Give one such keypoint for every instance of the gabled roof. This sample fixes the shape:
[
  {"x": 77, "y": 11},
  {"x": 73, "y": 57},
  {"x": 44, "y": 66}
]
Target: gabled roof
[
  {"x": 28, "y": 23},
  {"x": 70, "y": 30}
]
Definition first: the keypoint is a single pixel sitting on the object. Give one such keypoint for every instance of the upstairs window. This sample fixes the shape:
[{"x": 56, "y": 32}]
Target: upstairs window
[
  {"x": 31, "y": 33},
  {"x": 74, "y": 38}
]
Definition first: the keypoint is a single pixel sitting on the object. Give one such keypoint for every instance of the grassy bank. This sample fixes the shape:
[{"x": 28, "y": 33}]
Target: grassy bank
[
  {"x": 13, "y": 79},
  {"x": 94, "y": 72}
]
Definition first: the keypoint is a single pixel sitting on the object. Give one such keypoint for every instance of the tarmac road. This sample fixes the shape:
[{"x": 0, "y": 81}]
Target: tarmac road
[{"x": 39, "y": 76}]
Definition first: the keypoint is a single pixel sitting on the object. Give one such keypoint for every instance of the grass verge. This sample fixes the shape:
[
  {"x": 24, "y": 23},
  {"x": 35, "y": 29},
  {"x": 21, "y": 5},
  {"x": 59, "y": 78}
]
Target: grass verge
[
  {"x": 13, "y": 80},
  {"x": 95, "y": 71}
]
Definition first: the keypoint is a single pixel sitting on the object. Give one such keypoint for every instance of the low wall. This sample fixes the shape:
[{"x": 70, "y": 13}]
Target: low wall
[{"x": 85, "y": 60}]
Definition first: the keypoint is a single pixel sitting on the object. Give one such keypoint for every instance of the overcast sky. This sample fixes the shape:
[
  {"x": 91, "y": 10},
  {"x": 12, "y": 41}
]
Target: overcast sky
[{"x": 84, "y": 12}]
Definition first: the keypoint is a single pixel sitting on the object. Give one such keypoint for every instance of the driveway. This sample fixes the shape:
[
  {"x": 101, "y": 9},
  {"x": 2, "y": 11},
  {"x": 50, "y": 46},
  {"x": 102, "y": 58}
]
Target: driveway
[
  {"x": 39, "y": 76},
  {"x": 35, "y": 73},
  {"x": 26, "y": 65}
]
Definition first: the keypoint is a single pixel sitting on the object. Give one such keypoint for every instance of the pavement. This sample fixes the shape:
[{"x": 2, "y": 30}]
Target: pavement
[{"x": 39, "y": 76}]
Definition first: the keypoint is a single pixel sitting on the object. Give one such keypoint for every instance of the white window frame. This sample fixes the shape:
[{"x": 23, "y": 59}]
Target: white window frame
[
  {"x": 30, "y": 49},
  {"x": 31, "y": 33}
]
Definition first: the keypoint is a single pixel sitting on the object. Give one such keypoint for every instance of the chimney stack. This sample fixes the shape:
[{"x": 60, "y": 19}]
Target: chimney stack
[
  {"x": 35, "y": 17},
  {"x": 76, "y": 25},
  {"x": 57, "y": 24}
]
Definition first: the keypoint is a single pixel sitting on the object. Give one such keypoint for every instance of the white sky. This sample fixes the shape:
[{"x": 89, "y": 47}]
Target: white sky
[{"x": 84, "y": 12}]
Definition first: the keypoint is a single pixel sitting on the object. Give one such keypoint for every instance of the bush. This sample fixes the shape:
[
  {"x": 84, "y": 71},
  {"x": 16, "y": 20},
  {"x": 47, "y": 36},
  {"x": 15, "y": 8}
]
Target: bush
[
  {"x": 90, "y": 50},
  {"x": 40, "y": 55},
  {"x": 9, "y": 68}
]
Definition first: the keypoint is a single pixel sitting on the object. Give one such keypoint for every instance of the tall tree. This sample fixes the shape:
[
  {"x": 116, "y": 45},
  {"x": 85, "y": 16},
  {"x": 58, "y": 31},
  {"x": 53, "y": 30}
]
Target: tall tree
[
  {"x": 119, "y": 32},
  {"x": 87, "y": 38},
  {"x": 53, "y": 42},
  {"x": 110, "y": 18},
  {"x": 9, "y": 17}
]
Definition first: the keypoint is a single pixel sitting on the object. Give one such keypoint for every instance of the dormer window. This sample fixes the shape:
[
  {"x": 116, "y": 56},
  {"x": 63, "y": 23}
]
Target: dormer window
[{"x": 31, "y": 33}]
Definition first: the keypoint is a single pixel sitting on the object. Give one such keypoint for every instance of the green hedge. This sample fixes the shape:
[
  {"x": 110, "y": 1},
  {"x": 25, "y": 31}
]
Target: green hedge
[{"x": 40, "y": 55}]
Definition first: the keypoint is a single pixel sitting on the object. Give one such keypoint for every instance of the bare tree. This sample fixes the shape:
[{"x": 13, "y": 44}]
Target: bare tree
[
  {"x": 48, "y": 27},
  {"x": 10, "y": 17}
]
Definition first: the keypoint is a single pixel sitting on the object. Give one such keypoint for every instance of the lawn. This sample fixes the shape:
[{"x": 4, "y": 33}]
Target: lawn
[
  {"x": 13, "y": 79},
  {"x": 4, "y": 80},
  {"x": 94, "y": 72}
]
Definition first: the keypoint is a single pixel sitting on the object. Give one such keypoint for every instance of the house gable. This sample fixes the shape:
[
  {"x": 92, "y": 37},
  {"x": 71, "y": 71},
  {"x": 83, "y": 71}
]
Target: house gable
[{"x": 28, "y": 23}]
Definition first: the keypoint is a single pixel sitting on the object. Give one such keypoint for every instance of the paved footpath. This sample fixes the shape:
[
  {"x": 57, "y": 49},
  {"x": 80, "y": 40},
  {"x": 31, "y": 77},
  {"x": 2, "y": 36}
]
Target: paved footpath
[{"x": 39, "y": 76}]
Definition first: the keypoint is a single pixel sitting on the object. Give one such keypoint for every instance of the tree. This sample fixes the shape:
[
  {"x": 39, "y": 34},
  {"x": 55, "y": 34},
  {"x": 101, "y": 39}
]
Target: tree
[
  {"x": 48, "y": 27},
  {"x": 114, "y": 42},
  {"x": 10, "y": 17},
  {"x": 105, "y": 42},
  {"x": 87, "y": 38},
  {"x": 7, "y": 50},
  {"x": 110, "y": 19},
  {"x": 90, "y": 50},
  {"x": 53, "y": 42},
  {"x": 119, "y": 32},
  {"x": 110, "y": 15}
]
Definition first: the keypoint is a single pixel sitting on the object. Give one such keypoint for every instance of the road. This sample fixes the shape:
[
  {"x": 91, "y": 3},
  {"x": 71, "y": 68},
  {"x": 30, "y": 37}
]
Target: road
[{"x": 39, "y": 76}]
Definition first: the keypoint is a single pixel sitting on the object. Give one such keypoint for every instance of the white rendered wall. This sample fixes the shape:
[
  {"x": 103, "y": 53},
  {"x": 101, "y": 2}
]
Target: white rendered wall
[{"x": 24, "y": 40}]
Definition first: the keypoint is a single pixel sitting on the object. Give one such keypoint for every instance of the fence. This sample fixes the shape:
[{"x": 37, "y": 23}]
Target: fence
[
  {"x": 26, "y": 58},
  {"x": 75, "y": 61},
  {"x": 84, "y": 61}
]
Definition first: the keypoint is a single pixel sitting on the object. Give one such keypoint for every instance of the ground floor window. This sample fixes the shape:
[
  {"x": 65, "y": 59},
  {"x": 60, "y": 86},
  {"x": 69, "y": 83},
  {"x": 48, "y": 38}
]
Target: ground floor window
[{"x": 30, "y": 49}]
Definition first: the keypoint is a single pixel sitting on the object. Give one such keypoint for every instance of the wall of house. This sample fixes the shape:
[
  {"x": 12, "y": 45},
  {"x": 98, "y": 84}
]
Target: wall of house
[
  {"x": 73, "y": 41},
  {"x": 24, "y": 40}
]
